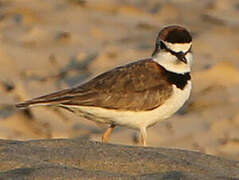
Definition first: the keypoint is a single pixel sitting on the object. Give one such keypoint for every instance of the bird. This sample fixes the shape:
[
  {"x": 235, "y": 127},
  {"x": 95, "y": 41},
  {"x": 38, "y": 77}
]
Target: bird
[{"x": 136, "y": 95}]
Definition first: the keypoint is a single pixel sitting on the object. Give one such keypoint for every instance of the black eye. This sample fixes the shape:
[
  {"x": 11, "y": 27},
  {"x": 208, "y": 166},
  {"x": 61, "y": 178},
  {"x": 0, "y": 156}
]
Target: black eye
[{"x": 162, "y": 45}]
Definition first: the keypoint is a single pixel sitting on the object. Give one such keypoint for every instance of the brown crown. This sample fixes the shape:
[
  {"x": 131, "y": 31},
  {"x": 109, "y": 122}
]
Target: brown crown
[{"x": 174, "y": 34}]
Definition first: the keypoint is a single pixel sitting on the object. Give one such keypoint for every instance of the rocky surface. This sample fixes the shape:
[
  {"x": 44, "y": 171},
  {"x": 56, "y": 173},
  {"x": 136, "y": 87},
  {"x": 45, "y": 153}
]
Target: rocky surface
[
  {"x": 50, "y": 45},
  {"x": 83, "y": 159}
]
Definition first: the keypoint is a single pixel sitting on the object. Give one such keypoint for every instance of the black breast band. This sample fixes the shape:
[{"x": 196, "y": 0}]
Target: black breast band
[{"x": 179, "y": 80}]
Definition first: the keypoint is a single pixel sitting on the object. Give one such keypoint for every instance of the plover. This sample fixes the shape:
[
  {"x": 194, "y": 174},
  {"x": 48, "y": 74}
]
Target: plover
[{"x": 136, "y": 95}]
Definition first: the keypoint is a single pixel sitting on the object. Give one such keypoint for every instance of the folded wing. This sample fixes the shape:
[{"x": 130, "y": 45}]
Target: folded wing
[{"x": 135, "y": 87}]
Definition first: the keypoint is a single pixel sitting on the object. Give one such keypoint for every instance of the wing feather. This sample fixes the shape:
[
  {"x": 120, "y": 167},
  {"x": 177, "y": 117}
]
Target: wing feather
[{"x": 141, "y": 85}]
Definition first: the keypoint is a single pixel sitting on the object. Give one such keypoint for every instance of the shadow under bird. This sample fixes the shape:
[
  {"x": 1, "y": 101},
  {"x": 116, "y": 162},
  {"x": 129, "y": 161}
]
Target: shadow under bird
[{"x": 136, "y": 95}]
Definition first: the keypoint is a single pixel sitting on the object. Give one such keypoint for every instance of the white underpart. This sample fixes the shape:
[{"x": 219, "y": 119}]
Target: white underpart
[
  {"x": 137, "y": 120},
  {"x": 171, "y": 63},
  {"x": 177, "y": 47}
]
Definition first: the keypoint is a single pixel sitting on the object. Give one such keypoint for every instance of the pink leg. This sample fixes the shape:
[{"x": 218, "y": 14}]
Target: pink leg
[
  {"x": 143, "y": 136},
  {"x": 107, "y": 133}
]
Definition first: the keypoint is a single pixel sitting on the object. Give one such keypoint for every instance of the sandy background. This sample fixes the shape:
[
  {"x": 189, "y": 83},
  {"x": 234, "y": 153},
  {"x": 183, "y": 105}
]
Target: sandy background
[{"x": 50, "y": 45}]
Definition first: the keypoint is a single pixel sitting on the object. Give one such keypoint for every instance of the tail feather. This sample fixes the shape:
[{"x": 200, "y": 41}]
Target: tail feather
[
  {"x": 26, "y": 104},
  {"x": 43, "y": 101},
  {"x": 48, "y": 99},
  {"x": 22, "y": 105}
]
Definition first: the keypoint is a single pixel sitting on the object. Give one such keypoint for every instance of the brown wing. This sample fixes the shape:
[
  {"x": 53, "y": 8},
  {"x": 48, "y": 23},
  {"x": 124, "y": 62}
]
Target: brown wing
[{"x": 137, "y": 86}]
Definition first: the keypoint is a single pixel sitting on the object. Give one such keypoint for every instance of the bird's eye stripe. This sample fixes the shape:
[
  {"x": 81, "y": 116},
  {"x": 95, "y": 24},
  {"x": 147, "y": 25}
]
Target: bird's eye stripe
[{"x": 162, "y": 45}]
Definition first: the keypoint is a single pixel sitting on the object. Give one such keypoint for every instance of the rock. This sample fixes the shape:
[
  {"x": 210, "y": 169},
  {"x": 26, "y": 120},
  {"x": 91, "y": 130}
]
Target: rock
[{"x": 82, "y": 159}]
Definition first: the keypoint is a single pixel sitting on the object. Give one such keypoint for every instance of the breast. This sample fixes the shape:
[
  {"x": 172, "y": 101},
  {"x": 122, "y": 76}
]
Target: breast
[
  {"x": 175, "y": 102},
  {"x": 166, "y": 110}
]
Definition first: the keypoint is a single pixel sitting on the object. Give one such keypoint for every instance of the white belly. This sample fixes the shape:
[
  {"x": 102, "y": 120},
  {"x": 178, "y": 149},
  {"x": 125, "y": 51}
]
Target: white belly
[{"x": 137, "y": 120}]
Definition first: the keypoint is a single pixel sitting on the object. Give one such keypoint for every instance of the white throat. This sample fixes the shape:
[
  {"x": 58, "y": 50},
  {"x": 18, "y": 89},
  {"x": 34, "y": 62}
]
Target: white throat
[{"x": 171, "y": 63}]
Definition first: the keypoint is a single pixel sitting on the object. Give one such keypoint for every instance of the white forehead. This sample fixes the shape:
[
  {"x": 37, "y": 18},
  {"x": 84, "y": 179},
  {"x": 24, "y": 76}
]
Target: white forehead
[{"x": 177, "y": 47}]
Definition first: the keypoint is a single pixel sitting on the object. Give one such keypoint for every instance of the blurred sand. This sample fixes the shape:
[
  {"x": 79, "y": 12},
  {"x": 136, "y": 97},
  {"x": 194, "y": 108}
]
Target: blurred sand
[{"x": 50, "y": 45}]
